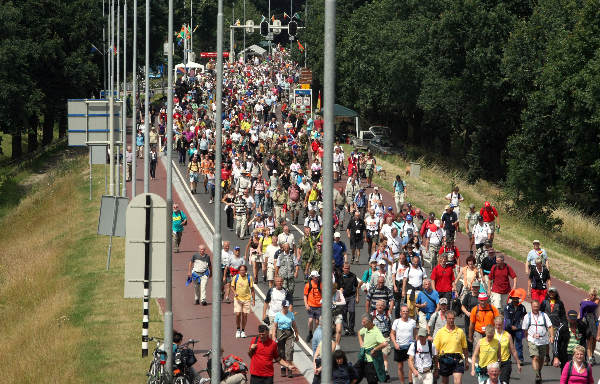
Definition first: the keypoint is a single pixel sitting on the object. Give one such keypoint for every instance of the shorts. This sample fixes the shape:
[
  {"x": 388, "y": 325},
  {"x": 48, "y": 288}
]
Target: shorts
[
  {"x": 400, "y": 355},
  {"x": 450, "y": 364},
  {"x": 537, "y": 350},
  {"x": 492, "y": 225},
  {"x": 270, "y": 272},
  {"x": 338, "y": 319},
  {"x": 255, "y": 257},
  {"x": 241, "y": 306},
  {"x": 261, "y": 379},
  {"x": 356, "y": 244},
  {"x": 314, "y": 312},
  {"x": 194, "y": 177}
]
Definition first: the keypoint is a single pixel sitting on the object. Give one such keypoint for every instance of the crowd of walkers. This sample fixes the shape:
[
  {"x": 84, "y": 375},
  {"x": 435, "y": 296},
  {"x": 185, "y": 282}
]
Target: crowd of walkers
[{"x": 413, "y": 289}]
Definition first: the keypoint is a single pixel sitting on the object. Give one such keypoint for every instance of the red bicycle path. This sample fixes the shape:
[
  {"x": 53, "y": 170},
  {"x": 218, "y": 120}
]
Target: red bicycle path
[{"x": 195, "y": 321}]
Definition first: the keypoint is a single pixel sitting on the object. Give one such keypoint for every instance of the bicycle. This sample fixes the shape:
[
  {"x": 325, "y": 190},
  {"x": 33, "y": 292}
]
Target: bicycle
[
  {"x": 183, "y": 361},
  {"x": 156, "y": 372}
]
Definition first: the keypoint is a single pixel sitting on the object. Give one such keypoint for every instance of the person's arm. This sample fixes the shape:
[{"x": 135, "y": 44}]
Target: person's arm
[
  {"x": 252, "y": 290},
  {"x": 295, "y": 327},
  {"x": 190, "y": 269},
  {"x": 471, "y": 329},
  {"x": 529, "y": 287},
  {"x": 360, "y": 339},
  {"x": 475, "y": 358},
  {"x": 247, "y": 251},
  {"x": 514, "y": 278},
  {"x": 367, "y": 304},
  {"x": 404, "y": 282},
  {"x": 379, "y": 347},
  {"x": 184, "y": 222},
  {"x": 411, "y": 366},
  {"x": 393, "y": 338},
  {"x": 513, "y": 351}
]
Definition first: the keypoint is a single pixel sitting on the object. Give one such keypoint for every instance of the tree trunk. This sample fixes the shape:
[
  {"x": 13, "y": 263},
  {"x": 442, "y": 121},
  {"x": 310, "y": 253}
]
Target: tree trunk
[
  {"x": 17, "y": 150},
  {"x": 48, "y": 128},
  {"x": 62, "y": 124}
]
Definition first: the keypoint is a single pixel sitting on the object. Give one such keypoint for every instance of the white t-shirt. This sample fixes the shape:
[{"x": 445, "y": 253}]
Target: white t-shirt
[
  {"x": 395, "y": 244},
  {"x": 404, "y": 331},
  {"x": 225, "y": 257},
  {"x": 415, "y": 276},
  {"x": 435, "y": 238},
  {"x": 270, "y": 253},
  {"x": 277, "y": 297},
  {"x": 454, "y": 198},
  {"x": 480, "y": 233},
  {"x": 537, "y": 333},
  {"x": 422, "y": 357},
  {"x": 372, "y": 223},
  {"x": 286, "y": 238}
]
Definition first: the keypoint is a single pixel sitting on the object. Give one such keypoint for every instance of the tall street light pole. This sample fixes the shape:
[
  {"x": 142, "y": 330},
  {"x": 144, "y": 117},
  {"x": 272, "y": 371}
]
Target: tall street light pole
[
  {"x": 329, "y": 100},
  {"x": 124, "y": 107},
  {"x": 134, "y": 103},
  {"x": 147, "y": 105},
  {"x": 216, "y": 283}
]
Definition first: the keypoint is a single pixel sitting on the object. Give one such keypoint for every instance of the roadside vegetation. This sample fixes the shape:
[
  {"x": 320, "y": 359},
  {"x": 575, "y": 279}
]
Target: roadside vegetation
[{"x": 63, "y": 315}]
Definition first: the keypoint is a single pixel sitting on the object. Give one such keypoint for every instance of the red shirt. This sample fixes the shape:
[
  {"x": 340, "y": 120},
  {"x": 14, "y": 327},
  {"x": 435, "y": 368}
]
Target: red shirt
[
  {"x": 261, "y": 363},
  {"x": 500, "y": 276},
  {"x": 443, "y": 278},
  {"x": 453, "y": 249},
  {"x": 489, "y": 214}
]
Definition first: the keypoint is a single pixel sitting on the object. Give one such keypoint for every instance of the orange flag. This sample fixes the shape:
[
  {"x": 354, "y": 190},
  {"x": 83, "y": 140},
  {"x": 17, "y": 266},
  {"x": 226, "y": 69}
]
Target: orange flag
[{"x": 300, "y": 46}]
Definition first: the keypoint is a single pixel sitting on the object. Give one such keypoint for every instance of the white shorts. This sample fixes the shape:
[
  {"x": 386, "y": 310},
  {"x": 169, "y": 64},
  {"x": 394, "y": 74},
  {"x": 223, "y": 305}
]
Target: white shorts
[{"x": 270, "y": 272}]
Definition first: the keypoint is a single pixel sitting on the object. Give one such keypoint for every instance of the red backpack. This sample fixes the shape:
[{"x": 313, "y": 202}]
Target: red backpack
[{"x": 234, "y": 363}]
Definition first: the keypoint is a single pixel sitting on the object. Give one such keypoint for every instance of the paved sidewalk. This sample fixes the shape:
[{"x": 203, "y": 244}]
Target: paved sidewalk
[{"x": 195, "y": 321}]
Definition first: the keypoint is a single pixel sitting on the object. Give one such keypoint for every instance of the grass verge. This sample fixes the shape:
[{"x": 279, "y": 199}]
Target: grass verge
[
  {"x": 569, "y": 250},
  {"x": 63, "y": 315}
]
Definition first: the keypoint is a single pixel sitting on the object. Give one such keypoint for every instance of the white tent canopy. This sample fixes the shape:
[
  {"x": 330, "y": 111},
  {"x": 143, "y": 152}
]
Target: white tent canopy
[
  {"x": 253, "y": 50},
  {"x": 190, "y": 65}
]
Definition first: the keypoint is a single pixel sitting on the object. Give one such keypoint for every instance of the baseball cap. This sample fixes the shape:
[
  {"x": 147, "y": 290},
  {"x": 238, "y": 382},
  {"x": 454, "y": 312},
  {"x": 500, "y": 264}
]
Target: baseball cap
[
  {"x": 535, "y": 241},
  {"x": 422, "y": 331},
  {"x": 552, "y": 289},
  {"x": 572, "y": 315},
  {"x": 336, "y": 235},
  {"x": 471, "y": 205},
  {"x": 451, "y": 205},
  {"x": 408, "y": 217},
  {"x": 314, "y": 274},
  {"x": 443, "y": 300},
  {"x": 447, "y": 207},
  {"x": 274, "y": 171},
  {"x": 376, "y": 188},
  {"x": 436, "y": 223},
  {"x": 381, "y": 262},
  {"x": 482, "y": 296},
  {"x": 487, "y": 204},
  {"x": 390, "y": 208},
  {"x": 285, "y": 303},
  {"x": 236, "y": 248},
  {"x": 476, "y": 283}
]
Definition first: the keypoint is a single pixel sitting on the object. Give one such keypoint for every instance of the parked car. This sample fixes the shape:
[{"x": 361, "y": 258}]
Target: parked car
[{"x": 384, "y": 146}]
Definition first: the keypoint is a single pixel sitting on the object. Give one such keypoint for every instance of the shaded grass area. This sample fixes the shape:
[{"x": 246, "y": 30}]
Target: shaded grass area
[
  {"x": 63, "y": 315},
  {"x": 571, "y": 250}
]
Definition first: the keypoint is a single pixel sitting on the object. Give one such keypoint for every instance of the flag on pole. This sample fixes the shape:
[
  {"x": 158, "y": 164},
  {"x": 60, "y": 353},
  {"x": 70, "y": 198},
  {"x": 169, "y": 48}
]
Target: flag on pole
[
  {"x": 285, "y": 16},
  {"x": 300, "y": 46},
  {"x": 319, "y": 102},
  {"x": 273, "y": 18},
  {"x": 296, "y": 16},
  {"x": 263, "y": 18}
]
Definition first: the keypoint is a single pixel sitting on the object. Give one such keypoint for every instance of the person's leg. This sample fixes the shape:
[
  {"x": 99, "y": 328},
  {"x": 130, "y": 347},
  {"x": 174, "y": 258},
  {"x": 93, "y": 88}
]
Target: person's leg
[
  {"x": 401, "y": 372},
  {"x": 505, "y": 371},
  {"x": 244, "y": 319},
  {"x": 518, "y": 339},
  {"x": 457, "y": 377},
  {"x": 203, "y": 284},
  {"x": 238, "y": 319},
  {"x": 197, "y": 292}
]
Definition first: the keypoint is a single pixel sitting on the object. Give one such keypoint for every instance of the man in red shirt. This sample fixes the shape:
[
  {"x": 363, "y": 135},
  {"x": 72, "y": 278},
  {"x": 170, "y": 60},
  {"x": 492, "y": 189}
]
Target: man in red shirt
[
  {"x": 451, "y": 252},
  {"x": 490, "y": 216},
  {"x": 263, "y": 351},
  {"x": 500, "y": 282},
  {"x": 442, "y": 277}
]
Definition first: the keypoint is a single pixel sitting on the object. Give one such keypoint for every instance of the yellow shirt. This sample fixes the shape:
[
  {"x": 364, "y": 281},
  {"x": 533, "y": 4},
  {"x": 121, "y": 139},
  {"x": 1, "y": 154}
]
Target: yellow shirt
[
  {"x": 447, "y": 341},
  {"x": 242, "y": 287},
  {"x": 488, "y": 351},
  {"x": 266, "y": 242},
  {"x": 504, "y": 345}
]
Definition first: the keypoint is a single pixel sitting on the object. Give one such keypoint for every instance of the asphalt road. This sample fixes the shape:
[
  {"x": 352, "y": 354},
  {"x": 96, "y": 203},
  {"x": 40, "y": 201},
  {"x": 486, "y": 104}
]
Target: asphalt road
[{"x": 350, "y": 343}]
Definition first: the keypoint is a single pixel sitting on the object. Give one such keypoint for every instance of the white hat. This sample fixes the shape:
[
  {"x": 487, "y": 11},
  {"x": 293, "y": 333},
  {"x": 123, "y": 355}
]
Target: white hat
[
  {"x": 536, "y": 241},
  {"x": 381, "y": 262},
  {"x": 314, "y": 274},
  {"x": 336, "y": 235},
  {"x": 437, "y": 223}
]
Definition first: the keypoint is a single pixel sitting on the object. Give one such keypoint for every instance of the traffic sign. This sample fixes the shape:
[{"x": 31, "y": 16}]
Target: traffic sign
[
  {"x": 305, "y": 76},
  {"x": 303, "y": 101},
  {"x": 145, "y": 245},
  {"x": 250, "y": 24}
]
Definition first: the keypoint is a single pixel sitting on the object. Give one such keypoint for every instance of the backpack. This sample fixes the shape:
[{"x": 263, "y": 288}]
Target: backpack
[
  {"x": 428, "y": 344},
  {"x": 235, "y": 279},
  {"x": 543, "y": 318},
  {"x": 310, "y": 286},
  {"x": 235, "y": 364},
  {"x": 570, "y": 369}
]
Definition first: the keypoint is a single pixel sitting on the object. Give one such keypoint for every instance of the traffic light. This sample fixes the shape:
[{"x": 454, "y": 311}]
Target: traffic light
[
  {"x": 292, "y": 28},
  {"x": 264, "y": 28}
]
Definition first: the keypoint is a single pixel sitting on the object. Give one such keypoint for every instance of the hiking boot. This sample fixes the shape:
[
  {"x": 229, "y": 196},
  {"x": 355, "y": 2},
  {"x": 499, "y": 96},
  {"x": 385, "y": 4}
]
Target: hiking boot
[
  {"x": 204, "y": 303},
  {"x": 309, "y": 337},
  {"x": 283, "y": 372},
  {"x": 197, "y": 302}
]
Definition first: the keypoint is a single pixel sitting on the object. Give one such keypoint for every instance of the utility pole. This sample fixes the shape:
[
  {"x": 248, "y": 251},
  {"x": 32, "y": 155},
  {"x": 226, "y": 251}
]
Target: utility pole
[
  {"x": 124, "y": 107},
  {"x": 147, "y": 105},
  {"x": 111, "y": 100},
  {"x": 169, "y": 255},
  {"x": 134, "y": 102},
  {"x": 329, "y": 100},
  {"x": 216, "y": 283}
]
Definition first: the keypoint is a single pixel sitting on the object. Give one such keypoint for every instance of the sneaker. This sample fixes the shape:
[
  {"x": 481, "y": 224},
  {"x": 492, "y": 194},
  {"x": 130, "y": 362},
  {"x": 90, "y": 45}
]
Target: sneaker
[
  {"x": 309, "y": 337},
  {"x": 197, "y": 302},
  {"x": 204, "y": 303},
  {"x": 237, "y": 334},
  {"x": 242, "y": 334},
  {"x": 210, "y": 201},
  {"x": 283, "y": 372}
]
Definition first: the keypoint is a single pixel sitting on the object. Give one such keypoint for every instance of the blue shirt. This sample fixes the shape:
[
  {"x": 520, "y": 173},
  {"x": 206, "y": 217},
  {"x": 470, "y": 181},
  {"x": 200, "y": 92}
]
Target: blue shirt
[
  {"x": 178, "y": 219},
  {"x": 430, "y": 305},
  {"x": 317, "y": 338},
  {"x": 284, "y": 321},
  {"x": 339, "y": 248},
  {"x": 399, "y": 186}
]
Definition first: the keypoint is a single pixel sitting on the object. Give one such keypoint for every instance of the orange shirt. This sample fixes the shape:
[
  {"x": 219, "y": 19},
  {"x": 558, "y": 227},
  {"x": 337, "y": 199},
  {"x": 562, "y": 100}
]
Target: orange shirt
[
  {"x": 313, "y": 298},
  {"x": 481, "y": 317}
]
